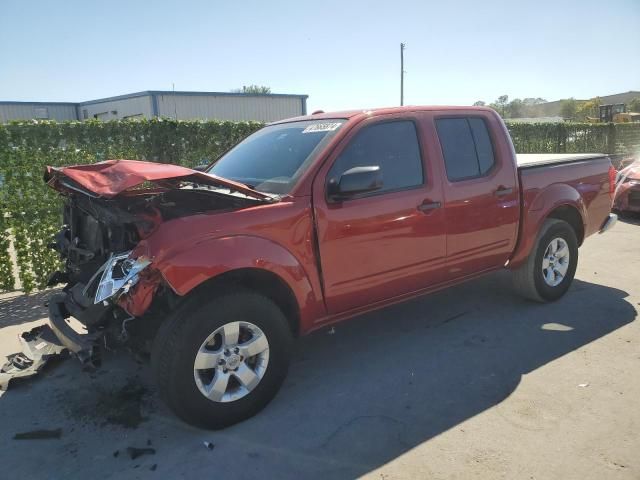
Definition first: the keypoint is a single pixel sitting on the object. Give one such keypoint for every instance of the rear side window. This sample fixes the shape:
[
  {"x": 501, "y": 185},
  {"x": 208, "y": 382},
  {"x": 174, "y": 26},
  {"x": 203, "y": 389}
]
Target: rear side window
[
  {"x": 466, "y": 147},
  {"x": 393, "y": 146}
]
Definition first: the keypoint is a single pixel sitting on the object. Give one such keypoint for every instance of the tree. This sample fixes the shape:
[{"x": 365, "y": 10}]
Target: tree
[
  {"x": 634, "y": 105},
  {"x": 515, "y": 108},
  {"x": 533, "y": 101},
  {"x": 500, "y": 105},
  {"x": 259, "y": 89},
  {"x": 479, "y": 103},
  {"x": 531, "y": 106},
  {"x": 587, "y": 109},
  {"x": 568, "y": 108}
]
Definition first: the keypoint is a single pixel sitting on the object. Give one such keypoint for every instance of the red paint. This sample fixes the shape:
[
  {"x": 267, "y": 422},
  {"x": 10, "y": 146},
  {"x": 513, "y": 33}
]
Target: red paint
[
  {"x": 112, "y": 177},
  {"x": 481, "y": 227},
  {"x": 274, "y": 237},
  {"x": 341, "y": 259},
  {"x": 381, "y": 246},
  {"x": 139, "y": 300},
  {"x": 546, "y": 189},
  {"x": 627, "y": 191}
]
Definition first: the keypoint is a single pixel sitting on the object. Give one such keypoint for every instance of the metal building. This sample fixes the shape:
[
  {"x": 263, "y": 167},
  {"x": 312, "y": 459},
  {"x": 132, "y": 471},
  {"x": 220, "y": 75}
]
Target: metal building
[
  {"x": 38, "y": 111},
  {"x": 170, "y": 104}
]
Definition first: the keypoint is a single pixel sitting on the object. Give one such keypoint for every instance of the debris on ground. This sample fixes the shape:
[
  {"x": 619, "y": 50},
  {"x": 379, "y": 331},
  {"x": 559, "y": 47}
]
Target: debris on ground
[
  {"x": 116, "y": 453},
  {"x": 39, "y": 435},
  {"x": 209, "y": 445},
  {"x": 135, "y": 452},
  {"x": 153, "y": 467},
  {"x": 113, "y": 405},
  {"x": 583, "y": 385},
  {"x": 39, "y": 345}
]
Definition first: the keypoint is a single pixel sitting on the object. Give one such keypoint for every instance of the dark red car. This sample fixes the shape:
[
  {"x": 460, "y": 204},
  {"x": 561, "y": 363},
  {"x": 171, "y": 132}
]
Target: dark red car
[{"x": 305, "y": 223}]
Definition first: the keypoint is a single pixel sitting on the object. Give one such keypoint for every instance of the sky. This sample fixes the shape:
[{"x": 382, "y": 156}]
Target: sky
[{"x": 343, "y": 54}]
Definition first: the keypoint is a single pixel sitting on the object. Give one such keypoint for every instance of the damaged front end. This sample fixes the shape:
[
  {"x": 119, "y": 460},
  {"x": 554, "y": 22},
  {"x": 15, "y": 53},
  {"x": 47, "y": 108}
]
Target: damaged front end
[
  {"x": 109, "y": 209},
  {"x": 96, "y": 245},
  {"x": 627, "y": 192},
  {"x": 95, "y": 305}
]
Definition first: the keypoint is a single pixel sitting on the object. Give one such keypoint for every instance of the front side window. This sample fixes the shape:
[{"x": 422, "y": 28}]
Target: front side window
[
  {"x": 272, "y": 159},
  {"x": 393, "y": 146},
  {"x": 466, "y": 146}
]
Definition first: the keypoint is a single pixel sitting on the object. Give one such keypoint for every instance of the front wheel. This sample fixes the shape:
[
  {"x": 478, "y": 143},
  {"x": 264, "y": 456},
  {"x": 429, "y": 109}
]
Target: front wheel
[
  {"x": 549, "y": 270},
  {"x": 221, "y": 361}
]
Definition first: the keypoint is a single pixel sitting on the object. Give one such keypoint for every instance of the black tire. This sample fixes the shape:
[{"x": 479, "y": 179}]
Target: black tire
[
  {"x": 182, "y": 334},
  {"x": 528, "y": 278}
]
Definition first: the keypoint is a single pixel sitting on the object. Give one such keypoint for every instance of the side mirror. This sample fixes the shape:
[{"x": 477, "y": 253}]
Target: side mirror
[{"x": 354, "y": 181}]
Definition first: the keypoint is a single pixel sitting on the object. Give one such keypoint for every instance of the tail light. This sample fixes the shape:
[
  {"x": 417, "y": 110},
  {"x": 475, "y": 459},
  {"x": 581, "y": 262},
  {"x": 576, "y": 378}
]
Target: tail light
[{"x": 612, "y": 181}]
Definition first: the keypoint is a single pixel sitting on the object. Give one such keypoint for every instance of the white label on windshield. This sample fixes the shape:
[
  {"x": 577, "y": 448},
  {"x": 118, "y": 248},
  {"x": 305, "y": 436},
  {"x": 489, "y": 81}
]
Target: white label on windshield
[{"x": 321, "y": 127}]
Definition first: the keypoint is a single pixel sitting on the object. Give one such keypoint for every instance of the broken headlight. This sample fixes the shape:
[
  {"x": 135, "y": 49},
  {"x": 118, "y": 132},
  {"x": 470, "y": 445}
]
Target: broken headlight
[{"x": 119, "y": 273}]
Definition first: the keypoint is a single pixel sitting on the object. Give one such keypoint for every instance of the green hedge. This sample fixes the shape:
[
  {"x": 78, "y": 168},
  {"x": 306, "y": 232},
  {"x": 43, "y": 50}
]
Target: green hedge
[
  {"x": 570, "y": 137},
  {"x": 31, "y": 211}
]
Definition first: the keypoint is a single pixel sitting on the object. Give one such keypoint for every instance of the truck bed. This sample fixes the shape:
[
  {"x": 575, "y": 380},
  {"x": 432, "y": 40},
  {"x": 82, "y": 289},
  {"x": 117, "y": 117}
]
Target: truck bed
[{"x": 532, "y": 160}]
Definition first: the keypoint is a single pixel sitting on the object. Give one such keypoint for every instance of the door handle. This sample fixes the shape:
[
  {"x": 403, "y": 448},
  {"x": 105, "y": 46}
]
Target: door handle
[
  {"x": 423, "y": 207},
  {"x": 502, "y": 191}
]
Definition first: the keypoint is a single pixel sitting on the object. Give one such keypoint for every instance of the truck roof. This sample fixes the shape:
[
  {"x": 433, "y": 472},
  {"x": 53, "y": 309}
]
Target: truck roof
[{"x": 349, "y": 114}]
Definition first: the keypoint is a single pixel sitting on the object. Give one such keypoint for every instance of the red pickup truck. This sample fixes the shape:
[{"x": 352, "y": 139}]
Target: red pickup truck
[{"x": 305, "y": 223}]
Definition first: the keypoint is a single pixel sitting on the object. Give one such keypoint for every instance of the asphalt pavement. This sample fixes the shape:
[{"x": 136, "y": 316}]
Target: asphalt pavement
[{"x": 471, "y": 382}]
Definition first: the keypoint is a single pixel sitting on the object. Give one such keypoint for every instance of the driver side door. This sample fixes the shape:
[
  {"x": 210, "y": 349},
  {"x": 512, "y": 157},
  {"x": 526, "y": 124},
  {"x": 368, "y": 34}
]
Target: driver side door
[{"x": 388, "y": 242}]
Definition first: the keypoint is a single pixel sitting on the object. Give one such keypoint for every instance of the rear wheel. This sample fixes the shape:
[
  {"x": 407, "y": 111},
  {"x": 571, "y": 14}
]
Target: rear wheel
[
  {"x": 221, "y": 361},
  {"x": 549, "y": 270}
]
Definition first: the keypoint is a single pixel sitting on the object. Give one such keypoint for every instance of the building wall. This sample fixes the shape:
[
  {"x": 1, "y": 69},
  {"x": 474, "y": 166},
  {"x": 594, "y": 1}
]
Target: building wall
[
  {"x": 115, "y": 109},
  {"x": 148, "y": 104},
  {"x": 262, "y": 108},
  {"x": 37, "y": 110}
]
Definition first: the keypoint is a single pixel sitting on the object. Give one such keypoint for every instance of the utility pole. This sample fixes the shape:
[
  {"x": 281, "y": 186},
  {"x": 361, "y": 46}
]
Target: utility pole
[{"x": 402, "y": 46}]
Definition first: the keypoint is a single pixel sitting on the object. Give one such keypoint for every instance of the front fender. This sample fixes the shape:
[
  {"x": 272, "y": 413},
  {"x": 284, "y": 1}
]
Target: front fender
[
  {"x": 186, "y": 269},
  {"x": 536, "y": 208}
]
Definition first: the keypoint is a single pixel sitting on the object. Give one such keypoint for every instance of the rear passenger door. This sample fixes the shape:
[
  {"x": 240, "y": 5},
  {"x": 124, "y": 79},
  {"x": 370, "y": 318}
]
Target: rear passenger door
[{"x": 480, "y": 193}]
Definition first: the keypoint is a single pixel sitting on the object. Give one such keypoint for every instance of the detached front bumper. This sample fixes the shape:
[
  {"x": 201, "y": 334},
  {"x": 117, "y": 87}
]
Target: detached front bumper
[
  {"x": 94, "y": 305},
  {"x": 609, "y": 222},
  {"x": 84, "y": 345}
]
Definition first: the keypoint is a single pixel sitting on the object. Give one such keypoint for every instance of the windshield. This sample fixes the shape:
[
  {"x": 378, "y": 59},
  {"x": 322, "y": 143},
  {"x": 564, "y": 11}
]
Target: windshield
[{"x": 272, "y": 159}]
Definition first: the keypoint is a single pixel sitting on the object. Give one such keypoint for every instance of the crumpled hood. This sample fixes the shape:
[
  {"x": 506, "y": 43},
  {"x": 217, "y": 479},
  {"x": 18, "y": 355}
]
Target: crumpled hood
[{"x": 112, "y": 177}]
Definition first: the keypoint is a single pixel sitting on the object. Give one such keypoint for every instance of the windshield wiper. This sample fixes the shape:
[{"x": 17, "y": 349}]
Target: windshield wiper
[{"x": 227, "y": 189}]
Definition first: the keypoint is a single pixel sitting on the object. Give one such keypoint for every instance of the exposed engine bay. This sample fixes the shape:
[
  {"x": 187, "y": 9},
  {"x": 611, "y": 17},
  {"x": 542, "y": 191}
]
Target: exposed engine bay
[
  {"x": 94, "y": 229},
  {"x": 96, "y": 244}
]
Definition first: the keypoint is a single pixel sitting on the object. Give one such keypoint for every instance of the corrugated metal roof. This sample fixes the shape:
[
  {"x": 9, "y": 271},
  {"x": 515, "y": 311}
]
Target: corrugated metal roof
[
  {"x": 264, "y": 107},
  {"x": 190, "y": 94},
  {"x": 156, "y": 92}
]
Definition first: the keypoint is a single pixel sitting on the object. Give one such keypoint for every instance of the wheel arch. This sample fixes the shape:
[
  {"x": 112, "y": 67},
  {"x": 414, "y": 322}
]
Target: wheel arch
[
  {"x": 559, "y": 201},
  {"x": 260, "y": 281},
  {"x": 255, "y": 262},
  {"x": 571, "y": 215}
]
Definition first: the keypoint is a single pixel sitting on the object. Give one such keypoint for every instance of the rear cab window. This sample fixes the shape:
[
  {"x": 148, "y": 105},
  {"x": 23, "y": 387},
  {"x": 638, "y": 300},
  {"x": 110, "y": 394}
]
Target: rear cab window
[{"x": 466, "y": 147}]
